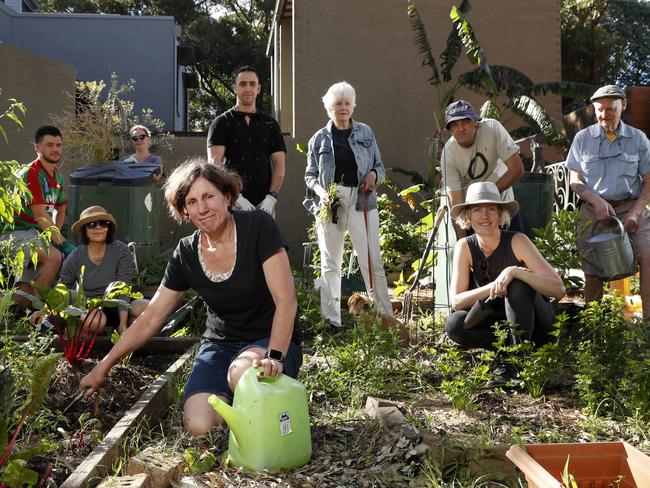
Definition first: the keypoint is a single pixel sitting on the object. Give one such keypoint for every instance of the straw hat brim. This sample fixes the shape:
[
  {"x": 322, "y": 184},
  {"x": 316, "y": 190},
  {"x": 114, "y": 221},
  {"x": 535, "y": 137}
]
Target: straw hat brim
[
  {"x": 512, "y": 206},
  {"x": 79, "y": 224}
]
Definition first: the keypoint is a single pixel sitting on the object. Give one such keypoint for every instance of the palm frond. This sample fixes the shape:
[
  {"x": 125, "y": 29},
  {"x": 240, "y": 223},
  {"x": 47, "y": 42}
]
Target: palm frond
[
  {"x": 422, "y": 42},
  {"x": 508, "y": 80},
  {"x": 490, "y": 110},
  {"x": 571, "y": 89},
  {"x": 474, "y": 52},
  {"x": 535, "y": 115},
  {"x": 451, "y": 53}
]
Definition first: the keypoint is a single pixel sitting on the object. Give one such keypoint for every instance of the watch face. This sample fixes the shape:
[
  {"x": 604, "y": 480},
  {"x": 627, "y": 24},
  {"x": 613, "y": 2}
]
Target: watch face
[{"x": 274, "y": 354}]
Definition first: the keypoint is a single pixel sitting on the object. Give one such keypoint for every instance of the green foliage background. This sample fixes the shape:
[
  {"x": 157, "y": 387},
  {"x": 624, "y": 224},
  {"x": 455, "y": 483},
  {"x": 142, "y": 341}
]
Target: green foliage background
[{"x": 225, "y": 34}]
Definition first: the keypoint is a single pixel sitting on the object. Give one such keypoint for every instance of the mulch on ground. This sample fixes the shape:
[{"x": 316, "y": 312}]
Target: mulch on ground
[{"x": 84, "y": 425}]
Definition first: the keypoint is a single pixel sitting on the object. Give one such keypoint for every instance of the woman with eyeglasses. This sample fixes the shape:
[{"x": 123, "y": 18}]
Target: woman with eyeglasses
[
  {"x": 104, "y": 260},
  {"x": 141, "y": 138},
  {"x": 498, "y": 275}
]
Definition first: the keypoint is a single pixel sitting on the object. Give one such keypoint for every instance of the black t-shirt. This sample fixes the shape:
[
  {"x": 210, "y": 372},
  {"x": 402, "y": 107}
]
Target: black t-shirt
[
  {"x": 240, "y": 308},
  {"x": 486, "y": 270},
  {"x": 248, "y": 148},
  {"x": 345, "y": 164}
]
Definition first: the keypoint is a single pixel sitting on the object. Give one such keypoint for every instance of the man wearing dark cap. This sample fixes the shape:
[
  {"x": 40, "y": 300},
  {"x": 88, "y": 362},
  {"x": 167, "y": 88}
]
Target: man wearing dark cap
[
  {"x": 478, "y": 150},
  {"x": 610, "y": 172}
]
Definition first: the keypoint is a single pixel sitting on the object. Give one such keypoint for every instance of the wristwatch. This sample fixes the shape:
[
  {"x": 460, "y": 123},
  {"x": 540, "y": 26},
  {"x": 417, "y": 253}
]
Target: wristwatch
[
  {"x": 274, "y": 354},
  {"x": 274, "y": 194}
]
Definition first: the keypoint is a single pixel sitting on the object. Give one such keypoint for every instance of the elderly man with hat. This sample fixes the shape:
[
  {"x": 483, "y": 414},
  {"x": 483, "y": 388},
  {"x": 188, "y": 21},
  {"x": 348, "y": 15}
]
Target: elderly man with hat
[
  {"x": 478, "y": 150},
  {"x": 610, "y": 172}
]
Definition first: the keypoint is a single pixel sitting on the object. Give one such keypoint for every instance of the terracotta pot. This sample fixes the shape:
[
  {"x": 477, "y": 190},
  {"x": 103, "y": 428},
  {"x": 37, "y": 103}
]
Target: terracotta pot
[{"x": 593, "y": 465}]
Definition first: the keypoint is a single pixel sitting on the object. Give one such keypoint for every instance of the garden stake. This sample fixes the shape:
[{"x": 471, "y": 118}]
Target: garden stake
[
  {"x": 365, "y": 221},
  {"x": 76, "y": 399},
  {"x": 408, "y": 296}
]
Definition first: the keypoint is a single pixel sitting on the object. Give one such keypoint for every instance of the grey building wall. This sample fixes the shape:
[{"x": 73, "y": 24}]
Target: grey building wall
[
  {"x": 139, "y": 48},
  {"x": 5, "y": 20}
]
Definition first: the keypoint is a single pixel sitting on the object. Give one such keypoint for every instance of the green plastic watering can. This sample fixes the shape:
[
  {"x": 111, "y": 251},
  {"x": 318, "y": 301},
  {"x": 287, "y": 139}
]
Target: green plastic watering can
[{"x": 268, "y": 421}]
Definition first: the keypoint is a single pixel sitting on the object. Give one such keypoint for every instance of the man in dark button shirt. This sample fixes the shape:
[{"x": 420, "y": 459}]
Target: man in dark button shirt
[{"x": 249, "y": 142}]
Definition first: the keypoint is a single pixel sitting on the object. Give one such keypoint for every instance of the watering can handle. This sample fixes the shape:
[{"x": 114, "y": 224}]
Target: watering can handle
[
  {"x": 259, "y": 375},
  {"x": 620, "y": 224}
]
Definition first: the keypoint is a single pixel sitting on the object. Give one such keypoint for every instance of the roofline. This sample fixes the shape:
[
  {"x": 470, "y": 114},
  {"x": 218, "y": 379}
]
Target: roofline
[{"x": 137, "y": 18}]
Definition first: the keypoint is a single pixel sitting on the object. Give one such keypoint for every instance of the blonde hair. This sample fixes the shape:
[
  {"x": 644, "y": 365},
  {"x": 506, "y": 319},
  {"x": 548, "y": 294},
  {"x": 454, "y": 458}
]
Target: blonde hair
[{"x": 463, "y": 220}]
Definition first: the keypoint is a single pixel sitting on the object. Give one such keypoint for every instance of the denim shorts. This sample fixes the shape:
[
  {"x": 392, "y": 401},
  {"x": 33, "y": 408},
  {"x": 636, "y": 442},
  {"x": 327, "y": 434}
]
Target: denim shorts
[{"x": 210, "y": 369}]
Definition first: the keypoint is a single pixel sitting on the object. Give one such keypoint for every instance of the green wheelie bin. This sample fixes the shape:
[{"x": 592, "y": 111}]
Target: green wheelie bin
[{"x": 128, "y": 192}]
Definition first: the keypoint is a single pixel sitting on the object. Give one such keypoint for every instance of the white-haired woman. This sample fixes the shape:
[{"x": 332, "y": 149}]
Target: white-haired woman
[
  {"x": 498, "y": 275},
  {"x": 345, "y": 153},
  {"x": 141, "y": 138}
]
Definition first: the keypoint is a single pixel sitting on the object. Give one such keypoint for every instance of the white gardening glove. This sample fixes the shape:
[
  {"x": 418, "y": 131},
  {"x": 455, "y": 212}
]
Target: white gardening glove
[
  {"x": 242, "y": 203},
  {"x": 268, "y": 204}
]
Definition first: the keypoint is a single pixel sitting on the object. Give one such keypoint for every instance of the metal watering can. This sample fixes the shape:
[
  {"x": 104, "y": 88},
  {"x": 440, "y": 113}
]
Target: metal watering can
[
  {"x": 611, "y": 253},
  {"x": 268, "y": 421}
]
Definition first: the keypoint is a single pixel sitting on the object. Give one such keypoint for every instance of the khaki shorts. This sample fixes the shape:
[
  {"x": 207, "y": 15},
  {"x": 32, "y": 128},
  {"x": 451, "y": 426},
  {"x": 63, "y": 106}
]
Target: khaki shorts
[
  {"x": 640, "y": 239},
  {"x": 23, "y": 239}
]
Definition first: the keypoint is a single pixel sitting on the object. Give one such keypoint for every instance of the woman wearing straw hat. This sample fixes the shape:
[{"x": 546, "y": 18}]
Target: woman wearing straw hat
[
  {"x": 498, "y": 275},
  {"x": 104, "y": 260}
]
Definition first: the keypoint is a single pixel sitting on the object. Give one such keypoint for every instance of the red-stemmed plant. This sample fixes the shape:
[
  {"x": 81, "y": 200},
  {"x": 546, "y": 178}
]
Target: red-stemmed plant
[
  {"x": 72, "y": 311},
  {"x": 13, "y": 463}
]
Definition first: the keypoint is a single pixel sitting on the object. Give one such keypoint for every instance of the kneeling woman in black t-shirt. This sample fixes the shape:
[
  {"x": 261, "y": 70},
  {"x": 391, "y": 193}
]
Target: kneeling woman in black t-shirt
[{"x": 237, "y": 262}]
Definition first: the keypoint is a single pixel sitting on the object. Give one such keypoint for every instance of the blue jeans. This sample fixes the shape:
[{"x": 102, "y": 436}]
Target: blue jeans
[{"x": 210, "y": 369}]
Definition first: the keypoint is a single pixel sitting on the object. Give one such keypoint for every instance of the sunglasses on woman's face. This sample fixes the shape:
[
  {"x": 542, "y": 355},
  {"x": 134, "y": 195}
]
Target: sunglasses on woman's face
[
  {"x": 141, "y": 137},
  {"x": 102, "y": 223}
]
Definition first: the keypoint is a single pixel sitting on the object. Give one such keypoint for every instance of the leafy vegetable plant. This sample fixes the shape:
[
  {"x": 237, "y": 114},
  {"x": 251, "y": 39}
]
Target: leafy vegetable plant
[
  {"x": 13, "y": 463},
  {"x": 71, "y": 312}
]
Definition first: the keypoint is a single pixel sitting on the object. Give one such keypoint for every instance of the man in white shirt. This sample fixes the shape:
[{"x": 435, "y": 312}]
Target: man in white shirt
[{"x": 479, "y": 150}]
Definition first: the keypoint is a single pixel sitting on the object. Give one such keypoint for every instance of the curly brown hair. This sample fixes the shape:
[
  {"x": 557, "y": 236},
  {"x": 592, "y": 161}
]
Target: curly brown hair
[{"x": 183, "y": 177}]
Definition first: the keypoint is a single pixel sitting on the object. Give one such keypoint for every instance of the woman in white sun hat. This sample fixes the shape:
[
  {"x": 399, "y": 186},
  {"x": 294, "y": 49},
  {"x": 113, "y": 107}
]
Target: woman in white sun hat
[{"x": 498, "y": 275}]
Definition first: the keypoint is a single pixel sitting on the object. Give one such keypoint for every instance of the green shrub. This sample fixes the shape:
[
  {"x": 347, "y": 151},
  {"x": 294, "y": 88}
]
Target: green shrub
[
  {"x": 557, "y": 243},
  {"x": 612, "y": 359},
  {"x": 399, "y": 241},
  {"x": 462, "y": 378},
  {"x": 366, "y": 361}
]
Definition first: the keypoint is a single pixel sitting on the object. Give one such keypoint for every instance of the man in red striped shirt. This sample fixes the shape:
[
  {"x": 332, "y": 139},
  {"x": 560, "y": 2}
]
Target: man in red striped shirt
[{"x": 45, "y": 208}]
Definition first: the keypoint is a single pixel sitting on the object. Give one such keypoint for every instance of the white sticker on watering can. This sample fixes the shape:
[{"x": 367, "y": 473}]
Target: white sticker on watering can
[
  {"x": 285, "y": 424},
  {"x": 148, "y": 202}
]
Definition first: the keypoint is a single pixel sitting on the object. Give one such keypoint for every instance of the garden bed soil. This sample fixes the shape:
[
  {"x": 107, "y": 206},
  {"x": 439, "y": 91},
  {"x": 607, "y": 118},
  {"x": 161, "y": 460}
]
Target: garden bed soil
[
  {"x": 87, "y": 422},
  {"x": 361, "y": 452}
]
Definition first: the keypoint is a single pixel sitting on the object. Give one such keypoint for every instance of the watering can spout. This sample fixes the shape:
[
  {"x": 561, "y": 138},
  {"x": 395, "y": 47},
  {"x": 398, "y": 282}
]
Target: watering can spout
[{"x": 232, "y": 417}]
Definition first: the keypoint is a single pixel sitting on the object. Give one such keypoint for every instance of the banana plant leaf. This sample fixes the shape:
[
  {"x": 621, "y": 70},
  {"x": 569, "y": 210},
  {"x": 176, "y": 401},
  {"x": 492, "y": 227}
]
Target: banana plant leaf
[
  {"x": 454, "y": 46},
  {"x": 422, "y": 43},
  {"x": 490, "y": 110},
  {"x": 475, "y": 52},
  {"x": 535, "y": 115}
]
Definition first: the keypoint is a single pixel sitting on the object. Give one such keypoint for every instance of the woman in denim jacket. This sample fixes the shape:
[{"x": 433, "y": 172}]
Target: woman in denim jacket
[{"x": 345, "y": 153}]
